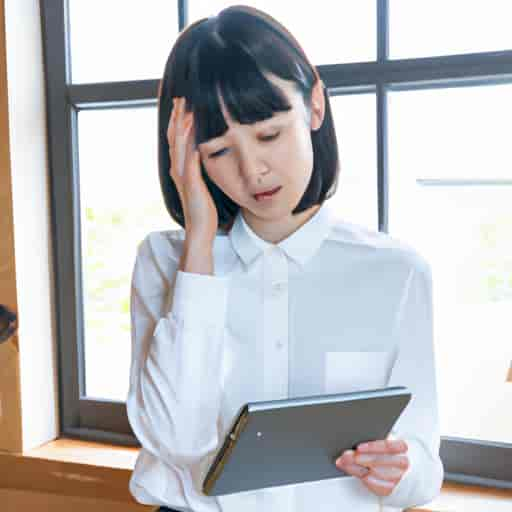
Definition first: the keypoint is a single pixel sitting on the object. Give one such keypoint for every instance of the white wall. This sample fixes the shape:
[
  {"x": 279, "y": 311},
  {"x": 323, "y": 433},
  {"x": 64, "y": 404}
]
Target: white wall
[{"x": 30, "y": 187}]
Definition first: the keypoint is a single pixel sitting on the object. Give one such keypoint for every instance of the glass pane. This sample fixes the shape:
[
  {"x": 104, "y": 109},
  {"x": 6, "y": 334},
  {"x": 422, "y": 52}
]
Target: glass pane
[
  {"x": 463, "y": 230},
  {"x": 355, "y": 123},
  {"x": 121, "y": 203},
  {"x": 456, "y": 133},
  {"x": 119, "y": 40},
  {"x": 459, "y": 27},
  {"x": 329, "y": 32}
]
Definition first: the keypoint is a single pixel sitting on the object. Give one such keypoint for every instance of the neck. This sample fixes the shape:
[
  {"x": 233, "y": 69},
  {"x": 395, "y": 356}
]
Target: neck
[{"x": 274, "y": 231}]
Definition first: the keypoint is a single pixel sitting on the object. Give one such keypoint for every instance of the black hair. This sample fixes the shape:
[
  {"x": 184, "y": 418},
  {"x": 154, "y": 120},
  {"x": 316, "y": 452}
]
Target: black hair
[
  {"x": 8, "y": 323},
  {"x": 228, "y": 54}
]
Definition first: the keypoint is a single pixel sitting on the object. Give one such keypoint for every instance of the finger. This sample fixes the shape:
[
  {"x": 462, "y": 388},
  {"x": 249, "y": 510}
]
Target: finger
[
  {"x": 399, "y": 461},
  {"x": 390, "y": 473},
  {"x": 175, "y": 124},
  {"x": 378, "y": 486},
  {"x": 171, "y": 128},
  {"x": 191, "y": 160},
  {"x": 180, "y": 133},
  {"x": 180, "y": 113},
  {"x": 181, "y": 141},
  {"x": 383, "y": 446},
  {"x": 355, "y": 470},
  {"x": 346, "y": 463},
  {"x": 347, "y": 457},
  {"x": 182, "y": 121}
]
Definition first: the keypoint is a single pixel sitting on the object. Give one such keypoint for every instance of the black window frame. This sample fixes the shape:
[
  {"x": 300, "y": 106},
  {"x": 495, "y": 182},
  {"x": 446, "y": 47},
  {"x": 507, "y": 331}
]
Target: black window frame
[{"x": 465, "y": 460}]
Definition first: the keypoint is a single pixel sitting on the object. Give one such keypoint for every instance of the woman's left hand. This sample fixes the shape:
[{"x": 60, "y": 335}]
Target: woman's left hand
[{"x": 380, "y": 464}]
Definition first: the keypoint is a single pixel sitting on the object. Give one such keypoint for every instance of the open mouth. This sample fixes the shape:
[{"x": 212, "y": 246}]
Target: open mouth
[{"x": 267, "y": 194}]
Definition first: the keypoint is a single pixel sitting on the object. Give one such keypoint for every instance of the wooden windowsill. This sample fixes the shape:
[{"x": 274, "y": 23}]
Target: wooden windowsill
[
  {"x": 90, "y": 469},
  {"x": 73, "y": 467}
]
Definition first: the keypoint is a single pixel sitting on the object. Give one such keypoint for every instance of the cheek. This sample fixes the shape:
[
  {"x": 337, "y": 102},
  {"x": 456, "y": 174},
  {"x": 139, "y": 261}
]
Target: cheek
[
  {"x": 298, "y": 154},
  {"x": 223, "y": 178},
  {"x": 292, "y": 152},
  {"x": 212, "y": 171},
  {"x": 218, "y": 178},
  {"x": 301, "y": 147}
]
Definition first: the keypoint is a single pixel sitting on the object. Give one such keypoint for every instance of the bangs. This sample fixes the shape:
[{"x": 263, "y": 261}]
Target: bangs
[{"x": 224, "y": 69}]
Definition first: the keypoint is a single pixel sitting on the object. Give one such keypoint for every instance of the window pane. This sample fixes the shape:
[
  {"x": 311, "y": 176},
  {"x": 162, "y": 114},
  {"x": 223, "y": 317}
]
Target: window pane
[
  {"x": 329, "y": 32},
  {"x": 355, "y": 123},
  {"x": 463, "y": 230},
  {"x": 119, "y": 40},
  {"x": 456, "y": 133},
  {"x": 459, "y": 27},
  {"x": 121, "y": 203}
]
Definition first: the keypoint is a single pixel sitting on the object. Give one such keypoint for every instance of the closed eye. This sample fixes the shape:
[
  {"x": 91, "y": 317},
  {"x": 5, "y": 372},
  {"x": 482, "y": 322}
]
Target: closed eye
[
  {"x": 271, "y": 137},
  {"x": 266, "y": 139}
]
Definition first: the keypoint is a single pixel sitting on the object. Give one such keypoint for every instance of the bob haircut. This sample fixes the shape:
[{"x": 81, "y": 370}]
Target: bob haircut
[{"x": 228, "y": 53}]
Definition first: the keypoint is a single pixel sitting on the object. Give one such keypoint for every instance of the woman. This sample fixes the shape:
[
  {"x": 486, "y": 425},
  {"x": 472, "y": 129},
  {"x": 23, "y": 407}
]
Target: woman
[{"x": 264, "y": 294}]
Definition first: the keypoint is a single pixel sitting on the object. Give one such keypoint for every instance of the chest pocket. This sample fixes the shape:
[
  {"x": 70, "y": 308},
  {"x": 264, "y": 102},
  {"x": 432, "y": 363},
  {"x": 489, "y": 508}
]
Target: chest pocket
[{"x": 355, "y": 371}]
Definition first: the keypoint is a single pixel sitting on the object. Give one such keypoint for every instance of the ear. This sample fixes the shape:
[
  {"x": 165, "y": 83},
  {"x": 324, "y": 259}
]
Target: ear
[{"x": 317, "y": 105}]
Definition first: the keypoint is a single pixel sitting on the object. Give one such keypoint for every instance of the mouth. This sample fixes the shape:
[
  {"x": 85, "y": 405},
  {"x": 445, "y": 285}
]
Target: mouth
[{"x": 267, "y": 194}]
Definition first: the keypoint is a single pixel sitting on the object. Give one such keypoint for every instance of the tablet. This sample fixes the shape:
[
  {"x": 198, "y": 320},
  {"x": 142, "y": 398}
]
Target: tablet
[{"x": 295, "y": 440}]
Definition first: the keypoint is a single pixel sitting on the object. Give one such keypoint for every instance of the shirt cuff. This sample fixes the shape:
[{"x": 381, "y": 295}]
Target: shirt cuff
[
  {"x": 419, "y": 484},
  {"x": 202, "y": 297}
]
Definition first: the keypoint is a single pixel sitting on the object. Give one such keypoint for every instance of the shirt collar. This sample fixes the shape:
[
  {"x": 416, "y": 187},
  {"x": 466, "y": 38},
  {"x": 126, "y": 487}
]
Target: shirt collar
[{"x": 300, "y": 246}]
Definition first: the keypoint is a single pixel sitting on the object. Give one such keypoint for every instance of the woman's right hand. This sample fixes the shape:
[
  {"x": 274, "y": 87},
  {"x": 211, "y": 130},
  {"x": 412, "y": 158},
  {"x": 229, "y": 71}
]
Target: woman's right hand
[{"x": 201, "y": 217}]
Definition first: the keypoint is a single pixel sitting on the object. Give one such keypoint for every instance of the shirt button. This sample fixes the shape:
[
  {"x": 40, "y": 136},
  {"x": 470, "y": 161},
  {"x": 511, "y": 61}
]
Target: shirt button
[
  {"x": 278, "y": 288},
  {"x": 279, "y": 343}
]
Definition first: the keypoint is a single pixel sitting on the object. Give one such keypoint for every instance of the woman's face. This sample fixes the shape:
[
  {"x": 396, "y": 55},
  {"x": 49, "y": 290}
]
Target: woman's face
[{"x": 276, "y": 152}]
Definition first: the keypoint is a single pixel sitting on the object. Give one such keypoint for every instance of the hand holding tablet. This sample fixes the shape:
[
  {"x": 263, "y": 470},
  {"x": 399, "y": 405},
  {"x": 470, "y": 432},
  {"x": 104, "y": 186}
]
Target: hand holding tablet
[{"x": 380, "y": 464}]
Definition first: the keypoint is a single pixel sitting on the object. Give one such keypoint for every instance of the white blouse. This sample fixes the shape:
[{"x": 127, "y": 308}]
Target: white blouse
[{"x": 332, "y": 308}]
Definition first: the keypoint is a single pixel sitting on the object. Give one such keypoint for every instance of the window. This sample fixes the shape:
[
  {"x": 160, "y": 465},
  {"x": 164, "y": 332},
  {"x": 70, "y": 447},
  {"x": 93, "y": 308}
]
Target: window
[
  {"x": 423, "y": 139},
  {"x": 450, "y": 178}
]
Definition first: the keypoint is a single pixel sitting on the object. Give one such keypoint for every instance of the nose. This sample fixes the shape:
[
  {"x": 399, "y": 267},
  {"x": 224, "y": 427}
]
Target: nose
[{"x": 252, "y": 167}]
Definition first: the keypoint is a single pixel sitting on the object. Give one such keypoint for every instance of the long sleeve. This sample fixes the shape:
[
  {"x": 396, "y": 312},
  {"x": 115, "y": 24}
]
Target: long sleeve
[
  {"x": 415, "y": 367},
  {"x": 175, "y": 387}
]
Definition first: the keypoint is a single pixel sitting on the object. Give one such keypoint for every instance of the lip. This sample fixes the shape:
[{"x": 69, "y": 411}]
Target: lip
[{"x": 263, "y": 196}]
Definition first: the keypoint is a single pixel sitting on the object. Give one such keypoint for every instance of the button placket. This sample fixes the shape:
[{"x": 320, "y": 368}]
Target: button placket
[{"x": 275, "y": 324}]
